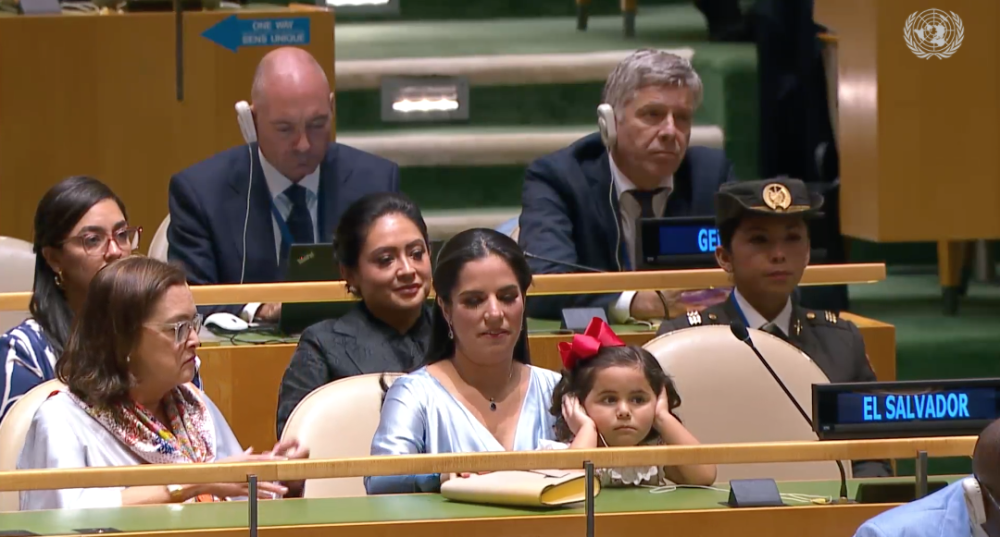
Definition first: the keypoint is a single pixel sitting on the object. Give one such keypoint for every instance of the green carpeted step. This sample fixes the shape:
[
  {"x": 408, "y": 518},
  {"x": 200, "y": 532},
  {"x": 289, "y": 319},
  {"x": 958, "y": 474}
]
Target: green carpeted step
[
  {"x": 656, "y": 26},
  {"x": 497, "y": 146},
  {"x": 461, "y": 187},
  {"x": 503, "y": 94},
  {"x": 930, "y": 345},
  {"x": 485, "y": 9},
  {"x": 444, "y": 224},
  {"x": 490, "y": 69}
]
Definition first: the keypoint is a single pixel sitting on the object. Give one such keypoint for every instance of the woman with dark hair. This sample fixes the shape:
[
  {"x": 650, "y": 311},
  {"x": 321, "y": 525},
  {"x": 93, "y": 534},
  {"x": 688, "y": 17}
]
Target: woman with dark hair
[
  {"x": 476, "y": 390},
  {"x": 80, "y": 226},
  {"x": 128, "y": 366},
  {"x": 382, "y": 248}
]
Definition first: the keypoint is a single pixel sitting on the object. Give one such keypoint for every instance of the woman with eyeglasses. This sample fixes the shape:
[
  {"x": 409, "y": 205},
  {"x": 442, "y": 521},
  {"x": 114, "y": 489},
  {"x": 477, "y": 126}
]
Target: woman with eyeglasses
[
  {"x": 128, "y": 366},
  {"x": 80, "y": 226}
]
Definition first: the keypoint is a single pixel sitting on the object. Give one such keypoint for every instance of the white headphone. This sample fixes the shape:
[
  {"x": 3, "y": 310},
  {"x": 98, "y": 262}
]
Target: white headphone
[
  {"x": 974, "y": 502},
  {"x": 244, "y": 116},
  {"x": 606, "y": 122}
]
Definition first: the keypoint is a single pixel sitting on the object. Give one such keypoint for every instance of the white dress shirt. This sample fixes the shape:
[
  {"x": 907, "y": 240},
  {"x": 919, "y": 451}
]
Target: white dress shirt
[
  {"x": 755, "y": 320},
  {"x": 277, "y": 183},
  {"x": 629, "y": 212}
]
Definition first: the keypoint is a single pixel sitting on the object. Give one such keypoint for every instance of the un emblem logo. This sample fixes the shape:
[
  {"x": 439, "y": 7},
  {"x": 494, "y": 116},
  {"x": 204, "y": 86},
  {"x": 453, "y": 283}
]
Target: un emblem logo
[{"x": 933, "y": 33}]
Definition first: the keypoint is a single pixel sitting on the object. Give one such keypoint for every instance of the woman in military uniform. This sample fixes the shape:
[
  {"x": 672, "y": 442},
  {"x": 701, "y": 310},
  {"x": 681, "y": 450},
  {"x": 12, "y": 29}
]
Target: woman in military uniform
[{"x": 764, "y": 246}]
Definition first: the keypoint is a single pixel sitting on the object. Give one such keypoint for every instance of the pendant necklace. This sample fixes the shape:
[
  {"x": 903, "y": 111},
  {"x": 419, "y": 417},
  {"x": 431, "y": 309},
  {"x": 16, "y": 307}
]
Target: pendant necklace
[{"x": 510, "y": 374}]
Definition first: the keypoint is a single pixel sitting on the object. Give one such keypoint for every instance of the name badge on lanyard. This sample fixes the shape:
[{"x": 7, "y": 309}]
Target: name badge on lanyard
[{"x": 736, "y": 304}]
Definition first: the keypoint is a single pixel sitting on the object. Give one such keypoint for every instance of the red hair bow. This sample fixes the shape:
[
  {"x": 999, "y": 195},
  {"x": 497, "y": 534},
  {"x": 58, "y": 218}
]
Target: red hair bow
[{"x": 586, "y": 346}]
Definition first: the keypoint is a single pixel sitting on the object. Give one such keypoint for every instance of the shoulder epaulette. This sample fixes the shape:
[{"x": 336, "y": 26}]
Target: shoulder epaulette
[{"x": 825, "y": 318}]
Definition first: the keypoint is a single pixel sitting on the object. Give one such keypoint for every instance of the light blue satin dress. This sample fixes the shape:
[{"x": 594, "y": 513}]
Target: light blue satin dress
[{"x": 420, "y": 416}]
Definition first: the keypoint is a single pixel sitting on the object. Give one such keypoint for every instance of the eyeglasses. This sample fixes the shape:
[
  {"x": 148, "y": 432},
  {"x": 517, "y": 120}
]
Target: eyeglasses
[
  {"x": 182, "y": 329},
  {"x": 97, "y": 242}
]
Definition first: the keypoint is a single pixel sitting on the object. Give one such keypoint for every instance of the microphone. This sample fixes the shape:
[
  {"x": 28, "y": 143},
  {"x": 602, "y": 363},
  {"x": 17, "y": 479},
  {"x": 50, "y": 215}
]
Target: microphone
[
  {"x": 740, "y": 331},
  {"x": 582, "y": 268}
]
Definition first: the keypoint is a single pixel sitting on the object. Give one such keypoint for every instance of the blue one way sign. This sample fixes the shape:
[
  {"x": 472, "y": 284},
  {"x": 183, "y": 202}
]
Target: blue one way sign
[{"x": 233, "y": 33}]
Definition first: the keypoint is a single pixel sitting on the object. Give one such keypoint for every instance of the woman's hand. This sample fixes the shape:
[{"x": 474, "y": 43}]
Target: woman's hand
[
  {"x": 265, "y": 490},
  {"x": 575, "y": 415},
  {"x": 289, "y": 449}
]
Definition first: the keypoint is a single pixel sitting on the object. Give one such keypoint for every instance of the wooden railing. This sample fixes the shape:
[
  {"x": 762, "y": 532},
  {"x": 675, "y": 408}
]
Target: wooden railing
[
  {"x": 484, "y": 462},
  {"x": 544, "y": 284}
]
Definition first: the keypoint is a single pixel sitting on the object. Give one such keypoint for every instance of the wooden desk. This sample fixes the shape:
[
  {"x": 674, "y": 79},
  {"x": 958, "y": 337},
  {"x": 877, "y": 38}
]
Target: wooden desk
[
  {"x": 243, "y": 380},
  {"x": 96, "y": 95},
  {"x": 901, "y": 177},
  {"x": 618, "y": 512}
]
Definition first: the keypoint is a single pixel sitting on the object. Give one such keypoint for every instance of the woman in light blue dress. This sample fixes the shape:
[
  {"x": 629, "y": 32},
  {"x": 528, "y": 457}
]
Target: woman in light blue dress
[{"x": 476, "y": 390}]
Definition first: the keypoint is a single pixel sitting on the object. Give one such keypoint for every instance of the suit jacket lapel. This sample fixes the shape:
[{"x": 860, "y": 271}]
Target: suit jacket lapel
[
  {"x": 730, "y": 311},
  {"x": 802, "y": 336},
  {"x": 679, "y": 202},
  {"x": 605, "y": 203},
  {"x": 259, "y": 228},
  {"x": 330, "y": 178},
  {"x": 355, "y": 324}
]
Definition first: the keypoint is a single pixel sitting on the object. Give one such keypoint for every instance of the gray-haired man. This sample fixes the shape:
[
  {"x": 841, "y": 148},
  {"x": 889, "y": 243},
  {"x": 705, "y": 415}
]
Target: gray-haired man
[{"x": 580, "y": 204}]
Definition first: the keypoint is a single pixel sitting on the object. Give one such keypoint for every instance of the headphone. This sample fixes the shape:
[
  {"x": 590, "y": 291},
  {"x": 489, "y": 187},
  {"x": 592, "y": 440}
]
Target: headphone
[
  {"x": 974, "y": 502},
  {"x": 607, "y": 123},
  {"x": 244, "y": 116}
]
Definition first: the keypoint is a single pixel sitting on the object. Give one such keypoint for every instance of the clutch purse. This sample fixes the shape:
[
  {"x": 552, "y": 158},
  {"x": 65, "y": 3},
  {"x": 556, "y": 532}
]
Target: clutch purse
[{"x": 537, "y": 488}]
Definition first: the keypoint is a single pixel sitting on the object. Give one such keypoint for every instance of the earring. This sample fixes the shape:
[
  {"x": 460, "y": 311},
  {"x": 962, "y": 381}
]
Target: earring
[
  {"x": 59, "y": 279},
  {"x": 128, "y": 359},
  {"x": 451, "y": 335}
]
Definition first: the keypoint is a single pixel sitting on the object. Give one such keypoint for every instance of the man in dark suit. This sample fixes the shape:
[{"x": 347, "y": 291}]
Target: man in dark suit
[
  {"x": 234, "y": 216},
  {"x": 580, "y": 204}
]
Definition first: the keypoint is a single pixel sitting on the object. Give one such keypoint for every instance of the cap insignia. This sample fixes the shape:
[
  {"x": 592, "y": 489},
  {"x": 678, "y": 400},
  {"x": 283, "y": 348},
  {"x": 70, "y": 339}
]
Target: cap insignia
[{"x": 777, "y": 197}]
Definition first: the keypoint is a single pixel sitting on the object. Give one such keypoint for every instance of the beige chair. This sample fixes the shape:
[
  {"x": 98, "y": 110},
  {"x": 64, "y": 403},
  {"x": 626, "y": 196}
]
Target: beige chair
[
  {"x": 14, "y": 428},
  {"x": 727, "y": 396},
  {"x": 17, "y": 275},
  {"x": 335, "y": 421},
  {"x": 158, "y": 246}
]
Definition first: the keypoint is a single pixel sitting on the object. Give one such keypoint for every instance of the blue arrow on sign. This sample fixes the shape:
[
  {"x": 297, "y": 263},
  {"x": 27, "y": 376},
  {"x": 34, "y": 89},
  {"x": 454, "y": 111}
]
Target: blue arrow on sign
[{"x": 233, "y": 33}]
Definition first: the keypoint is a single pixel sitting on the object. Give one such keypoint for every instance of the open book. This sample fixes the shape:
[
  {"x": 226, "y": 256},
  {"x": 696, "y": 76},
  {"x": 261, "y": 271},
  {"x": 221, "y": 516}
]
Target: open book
[{"x": 535, "y": 488}]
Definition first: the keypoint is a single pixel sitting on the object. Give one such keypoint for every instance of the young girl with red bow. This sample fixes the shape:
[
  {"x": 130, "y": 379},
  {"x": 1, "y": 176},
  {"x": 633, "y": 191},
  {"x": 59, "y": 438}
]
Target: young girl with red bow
[{"x": 616, "y": 395}]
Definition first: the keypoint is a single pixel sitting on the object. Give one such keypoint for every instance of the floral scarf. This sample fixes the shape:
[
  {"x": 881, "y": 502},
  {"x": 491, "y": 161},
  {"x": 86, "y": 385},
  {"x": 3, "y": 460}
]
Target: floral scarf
[{"x": 189, "y": 438}]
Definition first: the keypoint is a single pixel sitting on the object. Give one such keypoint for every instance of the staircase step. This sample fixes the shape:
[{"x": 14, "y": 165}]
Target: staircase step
[
  {"x": 486, "y": 9},
  {"x": 490, "y": 70},
  {"x": 663, "y": 26},
  {"x": 484, "y": 146},
  {"x": 445, "y": 224}
]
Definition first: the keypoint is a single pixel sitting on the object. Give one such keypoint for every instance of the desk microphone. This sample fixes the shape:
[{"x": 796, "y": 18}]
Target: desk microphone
[
  {"x": 582, "y": 268},
  {"x": 740, "y": 331}
]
